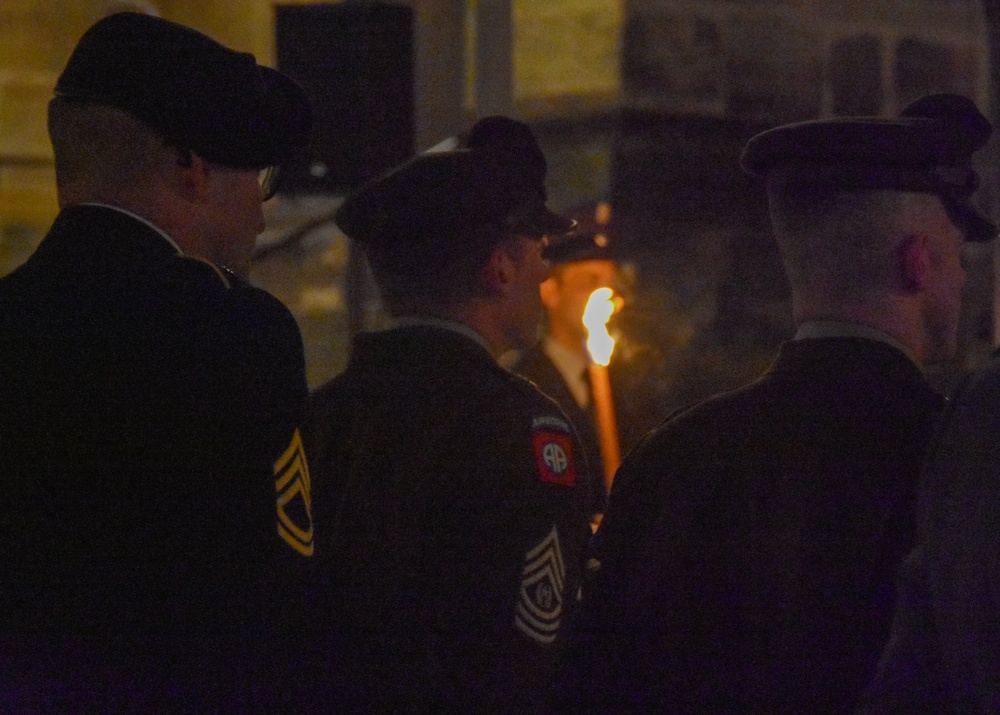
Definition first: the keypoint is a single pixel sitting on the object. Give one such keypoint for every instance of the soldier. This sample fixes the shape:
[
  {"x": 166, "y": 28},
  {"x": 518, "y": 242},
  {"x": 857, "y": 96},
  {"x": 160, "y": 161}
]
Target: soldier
[
  {"x": 747, "y": 559},
  {"x": 156, "y": 492},
  {"x": 450, "y": 486},
  {"x": 557, "y": 364}
]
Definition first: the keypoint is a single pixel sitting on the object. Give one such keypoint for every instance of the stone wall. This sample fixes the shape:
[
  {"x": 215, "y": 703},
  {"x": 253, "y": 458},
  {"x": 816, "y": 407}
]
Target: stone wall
[{"x": 781, "y": 60}]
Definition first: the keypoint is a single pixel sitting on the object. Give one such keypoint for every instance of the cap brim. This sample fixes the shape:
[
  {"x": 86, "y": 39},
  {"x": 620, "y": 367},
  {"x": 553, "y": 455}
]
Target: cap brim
[
  {"x": 977, "y": 228},
  {"x": 544, "y": 223},
  {"x": 266, "y": 125},
  {"x": 579, "y": 246}
]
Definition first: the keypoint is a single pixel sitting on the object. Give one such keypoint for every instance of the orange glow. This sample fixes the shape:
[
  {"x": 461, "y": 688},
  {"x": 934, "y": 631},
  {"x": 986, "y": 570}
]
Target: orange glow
[{"x": 600, "y": 307}]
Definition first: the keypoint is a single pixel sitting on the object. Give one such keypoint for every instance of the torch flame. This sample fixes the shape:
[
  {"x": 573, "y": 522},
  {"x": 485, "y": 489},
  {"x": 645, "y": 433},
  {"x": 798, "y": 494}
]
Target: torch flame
[{"x": 600, "y": 308}]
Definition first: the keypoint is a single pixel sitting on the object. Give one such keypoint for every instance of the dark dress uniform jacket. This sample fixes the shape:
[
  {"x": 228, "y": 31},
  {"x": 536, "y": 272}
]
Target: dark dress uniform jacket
[
  {"x": 750, "y": 546},
  {"x": 146, "y": 400},
  {"x": 455, "y": 528}
]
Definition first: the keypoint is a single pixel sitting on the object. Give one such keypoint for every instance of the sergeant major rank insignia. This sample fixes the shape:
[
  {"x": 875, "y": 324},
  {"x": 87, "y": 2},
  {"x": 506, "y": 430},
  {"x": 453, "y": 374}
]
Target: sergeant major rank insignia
[
  {"x": 539, "y": 606},
  {"x": 294, "y": 503},
  {"x": 553, "y": 446}
]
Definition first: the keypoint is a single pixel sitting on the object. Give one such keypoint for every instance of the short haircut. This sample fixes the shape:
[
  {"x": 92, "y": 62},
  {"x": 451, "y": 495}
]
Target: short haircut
[
  {"x": 97, "y": 145},
  {"x": 426, "y": 277},
  {"x": 843, "y": 239}
]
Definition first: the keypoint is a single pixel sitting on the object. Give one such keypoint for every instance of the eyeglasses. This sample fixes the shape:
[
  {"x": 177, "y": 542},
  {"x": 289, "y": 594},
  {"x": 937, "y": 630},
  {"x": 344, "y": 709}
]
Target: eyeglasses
[{"x": 269, "y": 180}]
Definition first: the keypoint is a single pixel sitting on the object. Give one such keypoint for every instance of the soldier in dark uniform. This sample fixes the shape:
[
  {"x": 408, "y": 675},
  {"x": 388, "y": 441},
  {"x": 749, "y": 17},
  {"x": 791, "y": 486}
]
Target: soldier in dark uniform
[
  {"x": 943, "y": 655},
  {"x": 747, "y": 559},
  {"x": 156, "y": 497},
  {"x": 450, "y": 487},
  {"x": 557, "y": 364}
]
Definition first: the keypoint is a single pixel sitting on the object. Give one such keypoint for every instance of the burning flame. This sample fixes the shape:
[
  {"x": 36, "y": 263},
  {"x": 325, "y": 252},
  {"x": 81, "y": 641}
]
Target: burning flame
[{"x": 600, "y": 307}]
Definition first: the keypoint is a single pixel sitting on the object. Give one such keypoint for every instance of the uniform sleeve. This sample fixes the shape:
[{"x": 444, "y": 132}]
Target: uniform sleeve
[
  {"x": 628, "y": 644},
  {"x": 947, "y": 625},
  {"x": 516, "y": 548},
  {"x": 908, "y": 676}
]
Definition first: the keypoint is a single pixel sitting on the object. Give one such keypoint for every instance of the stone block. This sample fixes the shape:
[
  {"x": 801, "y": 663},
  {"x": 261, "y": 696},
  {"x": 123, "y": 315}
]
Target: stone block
[
  {"x": 923, "y": 16},
  {"x": 17, "y": 242},
  {"x": 855, "y": 71},
  {"x": 774, "y": 70},
  {"x": 27, "y": 203},
  {"x": 924, "y": 67},
  {"x": 566, "y": 47},
  {"x": 24, "y": 97},
  {"x": 672, "y": 54}
]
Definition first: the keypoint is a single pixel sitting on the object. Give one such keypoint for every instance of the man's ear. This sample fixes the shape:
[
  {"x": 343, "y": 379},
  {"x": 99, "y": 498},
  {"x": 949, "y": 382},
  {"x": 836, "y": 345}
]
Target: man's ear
[
  {"x": 191, "y": 176},
  {"x": 915, "y": 261},
  {"x": 498, "y": 272}
]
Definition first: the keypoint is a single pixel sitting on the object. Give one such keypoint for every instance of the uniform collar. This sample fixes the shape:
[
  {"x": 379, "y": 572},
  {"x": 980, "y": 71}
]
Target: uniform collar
[
  {"x": 452, "y": 325},
  {"x": 139, "y": 218},
  {"x": 835, "y": 329}
]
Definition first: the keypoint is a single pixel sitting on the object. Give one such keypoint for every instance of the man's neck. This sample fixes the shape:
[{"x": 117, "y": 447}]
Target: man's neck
[
  {"x": 896, "y": 318},
  {"x": 572, "y": 366},
  {"x": 444, "y": 324}
]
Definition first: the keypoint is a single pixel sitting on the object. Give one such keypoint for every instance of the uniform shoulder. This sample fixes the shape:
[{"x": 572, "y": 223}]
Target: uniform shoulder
[
  {"x": 259, "y": 300},
  {"x": 535, "y": 399},
  {"x": 973, "y": 401},
  {"x": 529, "y": 361},
  {"x": 188, "y": 285},
  {"x": 711, "y": 425},
  {"x": 327, "y": 399},
  {"x": 202, "y": 272},
  {"x": 244, "y": 322},
  {"x": 204, "y": 284}
]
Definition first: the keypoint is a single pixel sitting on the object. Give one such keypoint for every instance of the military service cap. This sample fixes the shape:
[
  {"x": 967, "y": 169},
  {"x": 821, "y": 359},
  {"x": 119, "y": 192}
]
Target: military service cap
[
  {"x": 515, "y": 139},
  {"x": 592, "y": 238},
  {"x": 194, "y": 91},
  {"x": 928, "y": 148},
  {"x": 495, "y": 175},
  {"x": 580, "y": 246}
]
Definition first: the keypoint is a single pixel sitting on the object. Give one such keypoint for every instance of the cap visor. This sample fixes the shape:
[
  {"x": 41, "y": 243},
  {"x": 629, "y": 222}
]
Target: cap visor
[
  {"x": 977, "y": 227},
  {"x": 547, "y": 223}
]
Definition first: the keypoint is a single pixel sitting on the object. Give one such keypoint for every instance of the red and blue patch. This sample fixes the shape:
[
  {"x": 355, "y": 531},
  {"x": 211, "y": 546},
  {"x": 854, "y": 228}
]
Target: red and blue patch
[{"x": 554, "y": 455}]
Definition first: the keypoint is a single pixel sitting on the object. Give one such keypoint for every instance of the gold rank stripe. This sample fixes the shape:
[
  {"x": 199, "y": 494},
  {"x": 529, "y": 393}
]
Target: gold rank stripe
[{"x": 292, "y": 481}]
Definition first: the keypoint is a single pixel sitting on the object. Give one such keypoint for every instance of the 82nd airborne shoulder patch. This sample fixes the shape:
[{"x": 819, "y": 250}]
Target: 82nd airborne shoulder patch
[{"x": 550, "y": 437}]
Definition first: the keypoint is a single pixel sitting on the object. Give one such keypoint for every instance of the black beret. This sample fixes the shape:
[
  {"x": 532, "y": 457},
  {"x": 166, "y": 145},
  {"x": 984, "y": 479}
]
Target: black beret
[
  {"x": 928, "y": 148},
  {"x": 515, "y": 140},
  {"x": 506, "y": 134},
  {"x": 490, "y": 178},
  {"x": 194, "y": 91}
]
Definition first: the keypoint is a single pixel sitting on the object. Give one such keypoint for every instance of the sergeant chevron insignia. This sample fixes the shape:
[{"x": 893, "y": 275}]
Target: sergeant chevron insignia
[
  {"x": 294, "y": 502},
  {"x": 539, "y": 607}
]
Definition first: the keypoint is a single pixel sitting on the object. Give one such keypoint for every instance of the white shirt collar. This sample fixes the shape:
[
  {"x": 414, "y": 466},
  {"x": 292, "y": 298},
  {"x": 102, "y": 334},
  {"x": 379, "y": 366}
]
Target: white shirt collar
[
  {"x": 571, "y": 366},
  {"x": 452, "y": 325}
]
